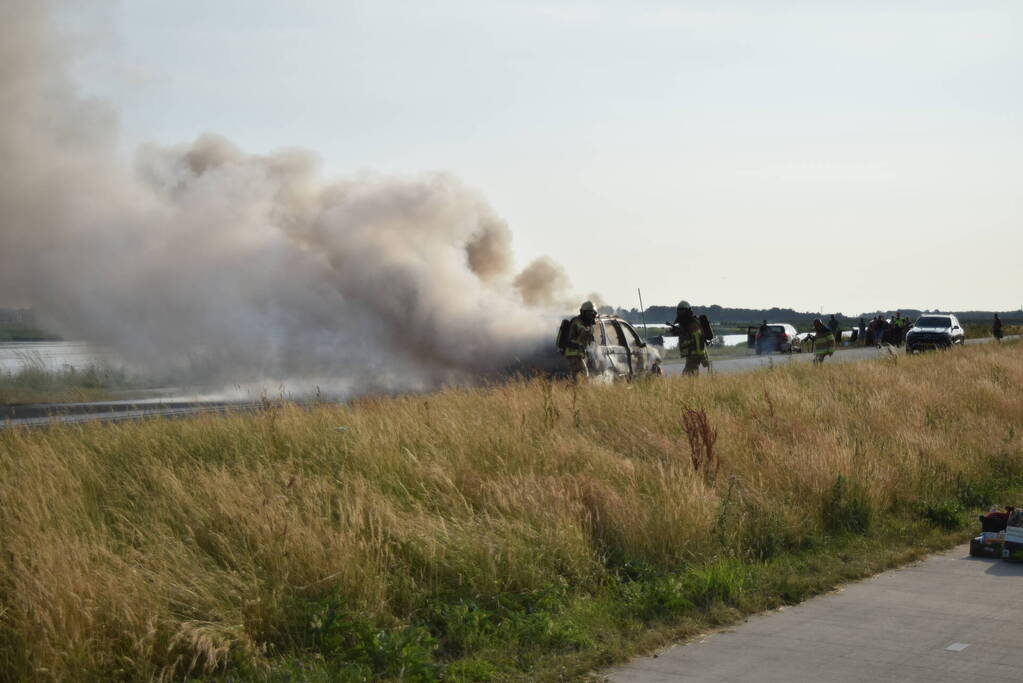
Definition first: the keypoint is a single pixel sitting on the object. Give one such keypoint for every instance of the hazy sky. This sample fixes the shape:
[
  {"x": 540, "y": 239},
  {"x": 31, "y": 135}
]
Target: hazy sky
[{"x": 838, "y": 155}]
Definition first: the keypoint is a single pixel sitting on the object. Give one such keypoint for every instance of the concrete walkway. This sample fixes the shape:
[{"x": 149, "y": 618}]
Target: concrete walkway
[{"x": 949, "y": 618}]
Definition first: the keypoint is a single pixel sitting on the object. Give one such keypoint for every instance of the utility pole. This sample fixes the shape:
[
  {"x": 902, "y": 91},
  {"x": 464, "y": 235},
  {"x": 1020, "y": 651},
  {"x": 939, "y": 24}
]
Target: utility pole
[{"x": 642, "y": 313}]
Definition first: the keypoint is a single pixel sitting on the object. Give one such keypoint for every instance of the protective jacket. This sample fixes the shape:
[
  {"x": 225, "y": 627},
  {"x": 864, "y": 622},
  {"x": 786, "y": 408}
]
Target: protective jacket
[
  {"x": 580, "y": 336},
  {"x": 824, "y": 343},
  {"x": 690, "y": 337}
]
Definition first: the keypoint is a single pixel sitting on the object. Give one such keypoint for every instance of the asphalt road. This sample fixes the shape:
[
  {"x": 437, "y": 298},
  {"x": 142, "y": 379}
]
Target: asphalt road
[
  {"x": 948, "y": 618},
  {"x": 673, "y": 366},
  {"x": 38, "y": 415},
  {"x": 41, "y": 414}
]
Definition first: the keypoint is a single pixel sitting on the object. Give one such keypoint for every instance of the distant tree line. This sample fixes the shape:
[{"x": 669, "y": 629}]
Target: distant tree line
[{"x": 656, "y": 315}]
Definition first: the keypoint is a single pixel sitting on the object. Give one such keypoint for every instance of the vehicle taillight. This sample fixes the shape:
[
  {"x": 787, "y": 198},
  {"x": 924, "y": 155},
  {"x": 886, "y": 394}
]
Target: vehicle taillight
[{"x": 784, "y": 336}]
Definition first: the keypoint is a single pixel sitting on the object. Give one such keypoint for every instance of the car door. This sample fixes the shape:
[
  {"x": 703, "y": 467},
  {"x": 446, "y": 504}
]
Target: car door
[
  {"x": 639, "y": 353},
  {"x": 958, "y": 334},
  {"x": 615, "y": 349}
]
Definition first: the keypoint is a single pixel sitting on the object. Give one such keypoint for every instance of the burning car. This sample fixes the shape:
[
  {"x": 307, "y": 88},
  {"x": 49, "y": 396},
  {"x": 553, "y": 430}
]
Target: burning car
[{"x": 618, "y": 352}]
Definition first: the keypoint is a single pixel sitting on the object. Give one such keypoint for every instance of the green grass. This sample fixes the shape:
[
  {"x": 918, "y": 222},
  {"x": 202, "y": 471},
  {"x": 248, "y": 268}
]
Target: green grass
[
  {"x": 22, "y": 334},
  {"x": 983, "y": 330},
  {"x": 35, "y": 383},
  {"x": 523, "y": 532}
]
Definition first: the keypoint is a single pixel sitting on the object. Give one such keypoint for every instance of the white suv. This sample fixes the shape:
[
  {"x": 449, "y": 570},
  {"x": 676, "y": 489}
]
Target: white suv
[{"x": 935, "y": 331}]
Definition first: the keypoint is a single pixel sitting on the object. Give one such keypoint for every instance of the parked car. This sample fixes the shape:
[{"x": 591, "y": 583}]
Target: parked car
[
  {"x": 1012, "y": 547},
  {"x": 803, "y": 341},
  {"x": 618, "y": 352},
  {"x": 935, "y": 331},
  {"x": 991, "y": 541},
  {"x": 776, "y": 337}
]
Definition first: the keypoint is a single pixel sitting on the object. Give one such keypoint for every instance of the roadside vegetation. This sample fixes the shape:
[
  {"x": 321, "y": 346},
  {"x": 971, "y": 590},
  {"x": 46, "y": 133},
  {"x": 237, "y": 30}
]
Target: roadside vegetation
[
  {"x": 983, "y": 330},
  {"x": 33, "y": 382},
  {"x": 14, "y": 333},
  {"x": 533, "y": 531}
]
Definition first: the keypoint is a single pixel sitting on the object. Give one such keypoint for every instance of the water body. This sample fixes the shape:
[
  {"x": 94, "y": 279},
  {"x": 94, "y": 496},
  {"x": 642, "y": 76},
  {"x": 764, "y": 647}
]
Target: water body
[
  {"x": 728, "y": 339},
  {"x": 734, "y": 339}
]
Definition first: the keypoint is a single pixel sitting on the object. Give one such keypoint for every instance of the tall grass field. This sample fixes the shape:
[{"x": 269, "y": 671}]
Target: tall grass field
[{"x": 532, "y": 531}]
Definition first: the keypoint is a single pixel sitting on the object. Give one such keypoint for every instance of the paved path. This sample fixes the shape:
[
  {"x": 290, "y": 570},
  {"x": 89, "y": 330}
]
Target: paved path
[{"x": 949, "y": 618}]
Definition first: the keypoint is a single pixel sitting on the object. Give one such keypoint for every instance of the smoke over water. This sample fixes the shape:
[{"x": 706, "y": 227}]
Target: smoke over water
[{"x": 207, "y": 264}]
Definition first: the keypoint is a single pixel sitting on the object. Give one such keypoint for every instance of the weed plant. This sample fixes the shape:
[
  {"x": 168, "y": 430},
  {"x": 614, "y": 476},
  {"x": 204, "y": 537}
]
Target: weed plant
[{"x": 533, "y": 531}]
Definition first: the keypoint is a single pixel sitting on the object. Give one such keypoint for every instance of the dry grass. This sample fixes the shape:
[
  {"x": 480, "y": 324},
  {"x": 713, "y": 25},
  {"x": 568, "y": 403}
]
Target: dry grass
[{"x": 161, "y": 549}]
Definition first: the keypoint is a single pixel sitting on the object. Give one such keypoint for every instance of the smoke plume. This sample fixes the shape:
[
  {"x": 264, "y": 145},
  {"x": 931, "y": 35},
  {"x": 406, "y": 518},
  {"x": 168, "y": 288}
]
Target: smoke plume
[
  {"x": 541, "y": 283},
  {"x": 211, "y": 264}
]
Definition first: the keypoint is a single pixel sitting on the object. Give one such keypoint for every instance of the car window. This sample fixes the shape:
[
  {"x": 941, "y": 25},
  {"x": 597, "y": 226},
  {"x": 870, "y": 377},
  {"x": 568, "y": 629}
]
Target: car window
[
  {"x": 612, "y": 334},
  {"x": 934, "y": 321},
  {"x": 776, "y": 329},
  {"x": 630, "y": 334}
]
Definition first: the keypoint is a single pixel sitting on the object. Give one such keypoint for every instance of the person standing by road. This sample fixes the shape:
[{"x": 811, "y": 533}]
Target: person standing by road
[
  {"x": 863, "y": 331},
  {"x": 899, "y": 324},
  {"x": 690, "y": 339},
  {"x": 879, "y": 330},
  {"x": 996, "y": 328},
  {"x": 763, "y": 346},
  {"x": 580, "y": 335},
  {"x": 834, "y": 328},
  {"x": 823, "y": 342}
]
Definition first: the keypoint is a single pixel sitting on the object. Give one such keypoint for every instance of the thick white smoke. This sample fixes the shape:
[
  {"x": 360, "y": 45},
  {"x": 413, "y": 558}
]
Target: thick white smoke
[{"x": 217, "y": 265}]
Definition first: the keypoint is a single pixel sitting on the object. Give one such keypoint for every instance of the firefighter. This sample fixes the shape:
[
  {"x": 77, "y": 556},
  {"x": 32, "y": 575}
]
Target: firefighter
[
  {"x": 899, "y": 325},
  {"x": 690, "y": 339},
  {"x": 823, "y": 342},
  {"x": 580, "y": 335}
]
